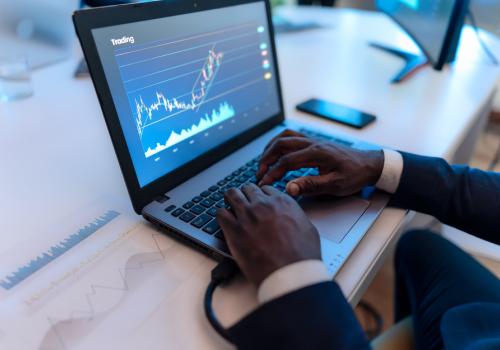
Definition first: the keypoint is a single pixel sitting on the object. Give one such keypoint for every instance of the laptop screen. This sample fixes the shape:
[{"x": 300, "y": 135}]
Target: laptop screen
[{"x": 185, "y": 84}]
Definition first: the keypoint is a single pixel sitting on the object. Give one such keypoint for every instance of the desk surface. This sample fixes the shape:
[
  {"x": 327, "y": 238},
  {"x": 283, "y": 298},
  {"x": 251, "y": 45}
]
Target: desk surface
[{"x": 57, "y": 155}]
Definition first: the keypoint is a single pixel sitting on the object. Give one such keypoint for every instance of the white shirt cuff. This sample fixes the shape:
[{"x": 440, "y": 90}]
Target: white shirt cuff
[
  {"x": 291, "y": 278},
  {"x": 391, "y": 173}
]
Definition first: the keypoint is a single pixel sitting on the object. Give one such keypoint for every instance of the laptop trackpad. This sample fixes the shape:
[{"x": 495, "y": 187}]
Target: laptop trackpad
[{"x": 334, "y": 218}]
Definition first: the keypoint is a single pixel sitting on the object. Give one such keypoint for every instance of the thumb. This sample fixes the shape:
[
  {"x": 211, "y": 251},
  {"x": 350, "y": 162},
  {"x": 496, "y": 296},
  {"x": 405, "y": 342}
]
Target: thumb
[{"x": 310, "y": 185}]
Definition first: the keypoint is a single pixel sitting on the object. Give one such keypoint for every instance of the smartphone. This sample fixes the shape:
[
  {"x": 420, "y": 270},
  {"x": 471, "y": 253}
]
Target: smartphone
[{"x": 337, "y": 113}]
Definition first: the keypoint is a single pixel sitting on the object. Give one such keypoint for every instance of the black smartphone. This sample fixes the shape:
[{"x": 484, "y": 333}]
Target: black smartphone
[{"x": 337, "y": 113}]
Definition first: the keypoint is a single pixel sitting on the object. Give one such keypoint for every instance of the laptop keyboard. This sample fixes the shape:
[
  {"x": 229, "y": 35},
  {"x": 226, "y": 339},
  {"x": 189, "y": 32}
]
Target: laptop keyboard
[
  {"x": 201, "y": 210},
  {"x": 320, "y": 136}
]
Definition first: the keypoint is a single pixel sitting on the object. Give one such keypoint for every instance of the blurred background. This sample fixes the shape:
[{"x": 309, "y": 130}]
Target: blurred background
[
  {"x": 487, "y": 12},
  {"x": 377, "y": 303}
]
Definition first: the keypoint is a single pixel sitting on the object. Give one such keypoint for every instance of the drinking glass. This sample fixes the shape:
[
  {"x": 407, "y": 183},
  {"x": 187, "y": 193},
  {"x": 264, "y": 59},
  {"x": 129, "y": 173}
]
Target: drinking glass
[{"x": 15, "y": 79}]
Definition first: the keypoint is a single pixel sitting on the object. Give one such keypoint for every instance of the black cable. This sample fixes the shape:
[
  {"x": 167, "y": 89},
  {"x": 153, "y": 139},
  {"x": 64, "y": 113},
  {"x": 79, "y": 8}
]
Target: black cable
[
  {"x": 488, "y": 52},
  {"x": 227, "y": 268},
  {"x": 223, "y": 272}
]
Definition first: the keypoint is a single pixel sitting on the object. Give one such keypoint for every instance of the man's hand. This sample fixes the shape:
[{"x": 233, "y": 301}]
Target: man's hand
[
  {"x": 343, "y": 170},
  {"x": 266, "y": 230}
]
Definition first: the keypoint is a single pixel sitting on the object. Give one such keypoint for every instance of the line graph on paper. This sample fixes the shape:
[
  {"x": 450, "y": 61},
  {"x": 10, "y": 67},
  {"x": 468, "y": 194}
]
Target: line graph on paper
[
  {"x": 35, "y": 264},
  {"x": 142, "y": 271},
  {"x": 90, "y": 296},
  {"x": 181, "y": 87}
]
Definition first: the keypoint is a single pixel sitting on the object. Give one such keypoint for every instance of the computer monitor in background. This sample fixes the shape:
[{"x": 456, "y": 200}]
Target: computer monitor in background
[{"x": 435, "y": 26}]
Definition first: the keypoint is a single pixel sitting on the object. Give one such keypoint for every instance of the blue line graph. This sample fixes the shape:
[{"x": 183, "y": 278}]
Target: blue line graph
[
  {"x": 225, "y": 112},
  {"x": 56, "y": 251}
]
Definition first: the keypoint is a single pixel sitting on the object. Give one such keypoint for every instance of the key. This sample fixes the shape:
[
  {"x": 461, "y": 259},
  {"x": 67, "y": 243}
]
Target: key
[
  {"x": 207, "y": 202},
  {"x": 240, "y": 180},
  {"x": 197, "y": 209},
  {"x": 197, "y": 199},
  {"x": 233, "y": 184},
  {"x": 188, "y": 205},
  {"x": 211, "y": 227},
  {"x": 170, "y": 208},
  {"x": 216, "y": 196},
  {"x": 178, "y": 212},
  {"x": 201, "y": 220},
  {"x": 187, "y": 216},
  {"x": 212, "y": 211}
]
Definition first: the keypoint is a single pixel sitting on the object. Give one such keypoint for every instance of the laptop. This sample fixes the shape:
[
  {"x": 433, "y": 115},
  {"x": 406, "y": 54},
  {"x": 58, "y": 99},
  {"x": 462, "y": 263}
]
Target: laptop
[
  {"x": 191, "y": 95},
  {"x": 39, "y": 31}
]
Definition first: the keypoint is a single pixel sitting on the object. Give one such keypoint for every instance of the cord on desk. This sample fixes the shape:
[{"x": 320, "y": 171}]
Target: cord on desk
[
  {"x": 485, "y": 47},
  {"x": 227, "y": 268},
  {"x": 223, "y": 272}
]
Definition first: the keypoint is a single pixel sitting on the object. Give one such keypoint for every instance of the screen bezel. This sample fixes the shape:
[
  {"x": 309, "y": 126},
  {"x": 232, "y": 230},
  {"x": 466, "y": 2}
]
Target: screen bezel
[
  {"x": 87, "y": 20},
  {"x": 454, "y": 24}
]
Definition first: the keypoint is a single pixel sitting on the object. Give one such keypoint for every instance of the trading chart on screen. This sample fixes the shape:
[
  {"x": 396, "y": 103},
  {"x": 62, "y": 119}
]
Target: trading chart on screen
[
  {"x": 179, "y": 88},
  {"x": 189, "y": 82}
]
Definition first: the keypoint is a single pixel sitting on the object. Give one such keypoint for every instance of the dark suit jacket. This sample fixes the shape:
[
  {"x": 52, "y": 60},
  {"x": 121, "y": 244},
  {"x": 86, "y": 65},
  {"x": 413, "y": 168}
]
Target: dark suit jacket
[{"x": 319, "y": 317}]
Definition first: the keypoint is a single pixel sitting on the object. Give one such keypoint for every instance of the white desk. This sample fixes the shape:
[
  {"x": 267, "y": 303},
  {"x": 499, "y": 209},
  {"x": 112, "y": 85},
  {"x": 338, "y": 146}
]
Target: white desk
[{"x": 57, "y": 156}]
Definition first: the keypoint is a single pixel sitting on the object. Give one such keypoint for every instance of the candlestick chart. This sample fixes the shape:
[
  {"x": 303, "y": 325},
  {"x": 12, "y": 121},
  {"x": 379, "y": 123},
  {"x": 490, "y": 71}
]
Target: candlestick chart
[{"x": 184, "y": 86}]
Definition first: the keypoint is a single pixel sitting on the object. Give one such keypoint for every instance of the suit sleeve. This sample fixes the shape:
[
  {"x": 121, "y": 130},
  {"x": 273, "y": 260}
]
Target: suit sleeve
[
  {"x": 314, "y": 317},
  {"x": 468, "y": 199}
]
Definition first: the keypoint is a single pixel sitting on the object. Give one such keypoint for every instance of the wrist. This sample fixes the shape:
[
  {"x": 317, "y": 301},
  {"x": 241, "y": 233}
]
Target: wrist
[
  {"x": 374, "y": 166},
  {"x": 268, "y": 269},
  {"x": 292, "y": 277},
  {"x": 391, "y": 172}
]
